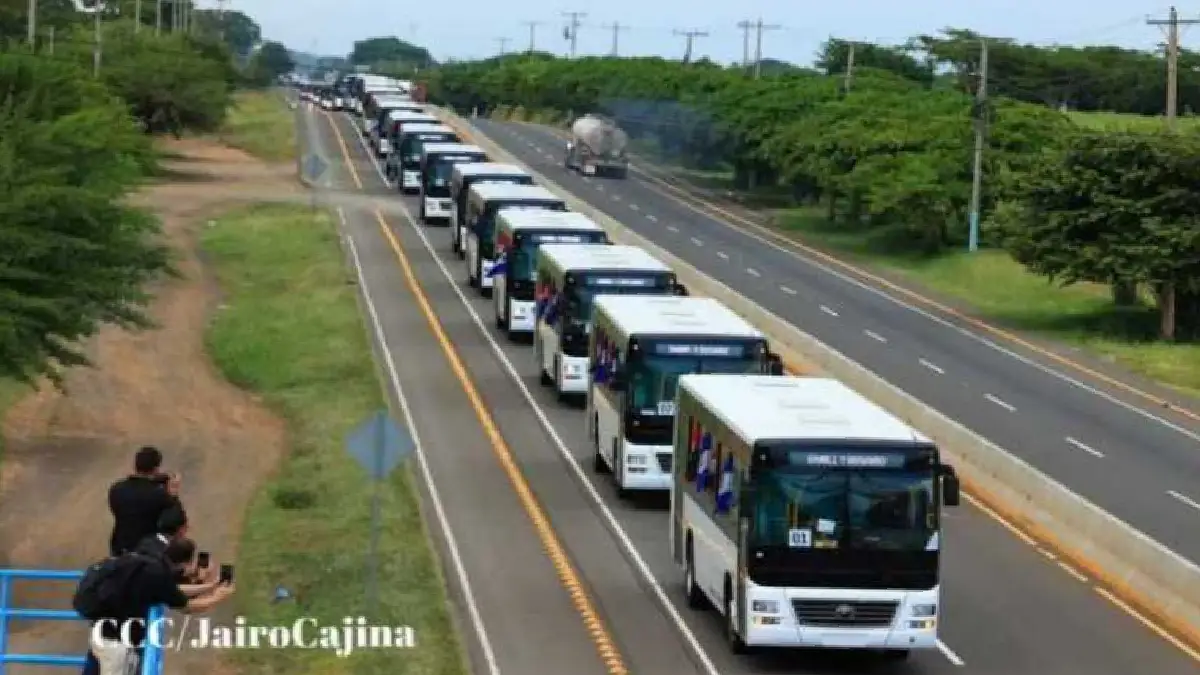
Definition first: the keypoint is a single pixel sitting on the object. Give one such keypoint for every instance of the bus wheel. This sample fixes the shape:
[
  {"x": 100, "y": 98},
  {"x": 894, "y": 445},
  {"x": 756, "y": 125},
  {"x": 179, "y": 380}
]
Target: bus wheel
[
  {"x": 619, "y": 470},
  {"x": 736, "y": 644},
  {"x": 597, "y": 460},
  {"x": 695, "y": 596},
  {"x": 500, "y": 322}
]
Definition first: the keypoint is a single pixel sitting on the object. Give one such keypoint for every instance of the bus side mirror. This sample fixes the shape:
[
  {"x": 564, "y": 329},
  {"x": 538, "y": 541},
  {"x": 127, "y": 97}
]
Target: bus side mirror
[
  {"x": 680, "y": 290},
  {"x": 950, "y": 485},
  {"x": 774, "y": 364}
]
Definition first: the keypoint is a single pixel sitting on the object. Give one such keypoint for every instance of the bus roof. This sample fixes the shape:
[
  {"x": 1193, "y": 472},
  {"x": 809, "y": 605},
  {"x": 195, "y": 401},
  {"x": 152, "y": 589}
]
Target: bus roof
[
  {"x": 520, "y": 219},
  {"x": 610, "y": 258},
  {"x": 781, "y": 408},
  {"x": 489, "y": 169},
  {"x": 673, "y": 316},
  {"x": 426, "y": 128},
  {"x": 449, "y": 148},
  {"x": 399, "y": 115},
  {"x": 488, "y": 191}
]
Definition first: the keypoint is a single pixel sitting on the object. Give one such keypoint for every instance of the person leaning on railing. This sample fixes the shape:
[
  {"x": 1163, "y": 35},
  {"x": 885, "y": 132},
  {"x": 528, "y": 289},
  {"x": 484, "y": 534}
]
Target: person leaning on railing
[{"x": 153, "y": 584}]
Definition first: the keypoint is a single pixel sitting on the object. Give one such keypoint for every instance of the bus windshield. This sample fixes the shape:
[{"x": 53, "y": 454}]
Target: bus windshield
[
  {"x": 438, "y": 172},
  {"x": 873, "y": 508},
  {"x": 654, "y": 378},
  {"x": 581, "y": 298},
  {"x": 522, "y": 261},
  {"x": 485, "y": 225},
  {"x": 410, "y": 145}
]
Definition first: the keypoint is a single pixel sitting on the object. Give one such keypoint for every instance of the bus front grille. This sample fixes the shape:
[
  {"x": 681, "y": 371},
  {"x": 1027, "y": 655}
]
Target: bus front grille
[{"x": 844, "y": 613}]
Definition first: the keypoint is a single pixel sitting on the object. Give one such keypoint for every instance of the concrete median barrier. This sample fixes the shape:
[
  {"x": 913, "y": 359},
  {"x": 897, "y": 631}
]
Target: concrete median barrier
[{"x": 1140, "y": 571}]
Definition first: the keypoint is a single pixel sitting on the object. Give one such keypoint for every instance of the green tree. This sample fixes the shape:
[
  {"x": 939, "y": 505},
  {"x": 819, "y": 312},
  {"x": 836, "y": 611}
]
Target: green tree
[
  {"x": 167, "y": 81},
  {"x": 1113, "y": 208},
  {"x": 235, "y": 28},
  {"x": 389, "y": 50},
  {"x": 14, "y": 18},
  {"x": 270, "y": 61},
  {"x": 73, "y": 253}
]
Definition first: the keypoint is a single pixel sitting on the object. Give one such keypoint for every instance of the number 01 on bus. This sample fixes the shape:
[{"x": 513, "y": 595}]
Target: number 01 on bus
[{"x": 806, "y": 515}]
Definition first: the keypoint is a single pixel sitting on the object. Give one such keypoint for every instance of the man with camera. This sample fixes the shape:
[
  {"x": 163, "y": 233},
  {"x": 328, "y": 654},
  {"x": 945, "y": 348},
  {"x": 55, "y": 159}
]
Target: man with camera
[
  {"x": 122, "y": 591},
  {"x": 140, "y": 499}
]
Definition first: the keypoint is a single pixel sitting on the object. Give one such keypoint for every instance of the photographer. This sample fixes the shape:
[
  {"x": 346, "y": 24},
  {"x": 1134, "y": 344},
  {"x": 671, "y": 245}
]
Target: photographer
[
  {"x": 118, "y": 633},
  {"x": 172, "y": 525},
  {"x": 139, "y": 500}
]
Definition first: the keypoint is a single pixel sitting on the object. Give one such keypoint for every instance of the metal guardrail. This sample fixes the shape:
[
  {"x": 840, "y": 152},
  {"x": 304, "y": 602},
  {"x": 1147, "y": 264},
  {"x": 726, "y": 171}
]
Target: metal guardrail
[{"x": 152, "y": 661}]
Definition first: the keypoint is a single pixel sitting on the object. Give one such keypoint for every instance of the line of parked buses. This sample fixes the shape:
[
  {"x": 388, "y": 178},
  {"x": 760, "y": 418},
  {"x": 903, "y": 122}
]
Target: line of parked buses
[{"x": 805, "y": 514}]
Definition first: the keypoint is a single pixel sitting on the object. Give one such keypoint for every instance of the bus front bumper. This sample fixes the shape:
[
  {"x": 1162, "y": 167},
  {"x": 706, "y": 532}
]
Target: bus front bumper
[
  {"x": 410, "y": 180},
  {"x": 437, "y": 208},
  {"x": 573, "y": 377},
  {"x": 521, "y": 316},
  {"x": 646, "y": 467},
  {"x": 776, "y": 623}
]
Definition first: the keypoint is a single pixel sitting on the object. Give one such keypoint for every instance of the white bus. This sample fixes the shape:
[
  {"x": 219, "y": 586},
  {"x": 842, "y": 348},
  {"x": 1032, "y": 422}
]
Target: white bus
[
  {"x": 404, "y": 164},
  {"x": 484, "y": 201},
  {"x": 519, "y": 233},
  {"x": 807, "y": 515},
  {"x": 640, "y": 346},
  {"x": 374, "y": 105},
  {"x": 437, "y": 161},
  {"x": 385, "y": 118},
  {"x": 391, "y": 122},
  {"x": 466, "y": 175},
  {"x": 569, "y": 278}
]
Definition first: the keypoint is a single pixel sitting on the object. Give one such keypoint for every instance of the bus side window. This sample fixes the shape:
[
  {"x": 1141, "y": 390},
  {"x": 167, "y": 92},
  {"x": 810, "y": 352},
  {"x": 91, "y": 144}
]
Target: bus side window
[
  {"x": 714, "y": 470},
  {"x": 692, "y": 466}
]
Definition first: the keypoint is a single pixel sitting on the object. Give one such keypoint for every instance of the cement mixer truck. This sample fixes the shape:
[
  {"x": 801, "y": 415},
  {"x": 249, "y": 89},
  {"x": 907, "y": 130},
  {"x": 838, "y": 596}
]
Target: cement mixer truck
[{"x": 597, "y": 147}]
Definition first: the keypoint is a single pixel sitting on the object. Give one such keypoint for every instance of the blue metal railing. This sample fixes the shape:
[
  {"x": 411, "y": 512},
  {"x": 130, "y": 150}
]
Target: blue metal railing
[{"x": 152, "y": 661}]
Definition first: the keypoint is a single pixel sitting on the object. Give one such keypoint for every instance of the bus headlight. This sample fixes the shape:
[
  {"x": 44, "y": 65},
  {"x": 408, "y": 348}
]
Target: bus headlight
[
  {"x": 923, "y": 610},
  {"x": 764, "y": 607}
]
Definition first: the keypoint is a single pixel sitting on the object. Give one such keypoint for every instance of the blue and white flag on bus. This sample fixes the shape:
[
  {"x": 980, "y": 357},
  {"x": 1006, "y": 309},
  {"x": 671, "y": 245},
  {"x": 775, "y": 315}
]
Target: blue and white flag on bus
[
  {"x": 702, "y": 469},
  {"x": 725, "y": 491},
  {"x": 500, "y": 266}
]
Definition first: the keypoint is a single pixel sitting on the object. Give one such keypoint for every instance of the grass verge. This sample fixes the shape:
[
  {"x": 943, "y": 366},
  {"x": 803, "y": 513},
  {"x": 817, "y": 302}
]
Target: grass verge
[
  {"x": 261, "y": 124},
  {"x": 1002, "y": 291},
  {"x": 291, "y": 331}
]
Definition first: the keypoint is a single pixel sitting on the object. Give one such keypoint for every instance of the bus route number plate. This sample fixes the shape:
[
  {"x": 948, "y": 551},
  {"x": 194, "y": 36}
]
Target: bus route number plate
[{"x": 800, "y": 538}]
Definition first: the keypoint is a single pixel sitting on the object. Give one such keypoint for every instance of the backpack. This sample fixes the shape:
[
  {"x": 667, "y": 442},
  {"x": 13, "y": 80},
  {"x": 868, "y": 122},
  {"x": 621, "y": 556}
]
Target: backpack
[{"x": 104, "y": 585}]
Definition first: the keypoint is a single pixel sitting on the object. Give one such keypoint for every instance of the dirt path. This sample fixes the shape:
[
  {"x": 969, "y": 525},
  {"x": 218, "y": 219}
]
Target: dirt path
[{"x": 157, "y": 387}]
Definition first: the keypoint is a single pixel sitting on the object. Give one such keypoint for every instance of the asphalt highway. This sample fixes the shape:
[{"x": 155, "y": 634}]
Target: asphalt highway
[
  {"x": 1136, "y": 460},
  {"x": 1009, "y": 607}
]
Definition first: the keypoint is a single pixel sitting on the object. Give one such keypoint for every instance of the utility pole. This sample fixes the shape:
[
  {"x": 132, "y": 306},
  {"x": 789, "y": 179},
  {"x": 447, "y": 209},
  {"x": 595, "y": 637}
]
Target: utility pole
[
  {"x": 981, "y": 115},
  {"x": 746, "y": 26},
  {"x": 31, "y": 24},
  {"x": 158, "y": 7},
  {"x": 571, "y": 32},
  {"x": 1172, "y": 24},
  {"x": 137, "y": 16},
  {"x": 691, "y": 36},
  {"x": 50, "y": 47},
  {"x": 532, "y": 25},
  {"x": 759, "y": 27},
  {"x": 849, "y": 65},
  {"x": 616, "y": 29},
  {"x": 98, "y": 13},
  {"x": 221, "y": 20},
  {"x": 503, "y": 42}
]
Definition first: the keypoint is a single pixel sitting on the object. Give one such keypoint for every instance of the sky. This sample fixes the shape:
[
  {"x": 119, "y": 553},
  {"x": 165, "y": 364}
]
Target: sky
[{"x": 467, "y": 29}]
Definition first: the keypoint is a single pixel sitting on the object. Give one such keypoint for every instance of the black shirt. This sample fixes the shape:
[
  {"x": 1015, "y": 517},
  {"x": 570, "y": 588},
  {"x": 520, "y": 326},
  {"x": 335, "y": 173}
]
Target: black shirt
[
  {"x": 156, "y": 547},
  {"x": 152, "y": 585},
  {"x": 136, "y": 503}
]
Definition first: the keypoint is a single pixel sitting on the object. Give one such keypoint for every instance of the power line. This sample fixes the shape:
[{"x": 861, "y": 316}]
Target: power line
[
  {"x": 691, "y": 36},
  {"x": 532, "y": 25},
  {"x": 1172, "y": 24},
  {"x": 571, "y": 32},
  {"x": 616, "y": 29}
]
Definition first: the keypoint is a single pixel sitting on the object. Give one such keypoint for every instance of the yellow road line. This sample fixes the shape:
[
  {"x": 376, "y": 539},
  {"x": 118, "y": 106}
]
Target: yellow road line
[{"x": 567, "y": 576}]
